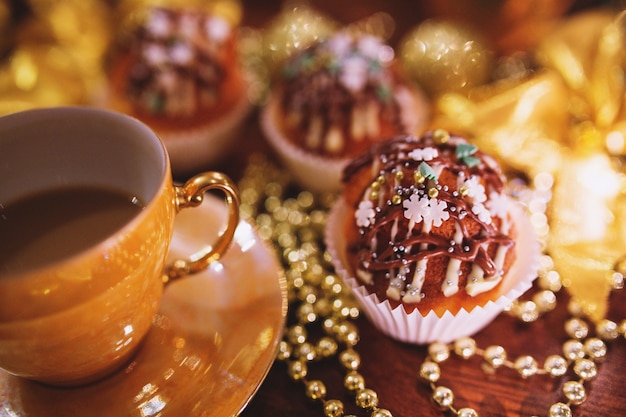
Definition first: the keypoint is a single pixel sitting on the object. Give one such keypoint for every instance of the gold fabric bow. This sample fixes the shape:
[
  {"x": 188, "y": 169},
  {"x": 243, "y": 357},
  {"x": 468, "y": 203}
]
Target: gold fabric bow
[{"x": 569, "y": 120}]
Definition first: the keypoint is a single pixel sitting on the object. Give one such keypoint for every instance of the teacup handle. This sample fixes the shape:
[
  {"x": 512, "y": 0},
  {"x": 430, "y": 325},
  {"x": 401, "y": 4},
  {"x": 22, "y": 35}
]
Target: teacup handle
[{"x": 191, "y": 194}]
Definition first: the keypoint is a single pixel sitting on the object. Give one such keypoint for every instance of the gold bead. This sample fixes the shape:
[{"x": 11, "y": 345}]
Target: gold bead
[
  {"x": 560, "y": 410},
  {"x": 396, "y": 199},
  {"x": 354, "y": 381},
  {"x": 315, "y": 390},
  {"x": 418, "y": 177},
  {"x": 575, "y": 392},
  {"x": 441, "y": 136},
  {"x": 381, "y": 179},
  {"x": 573, "y": 349},
  {"x": 526, "y": 366},
  {"x": 297, "y": 370},
  {"x": 350, "y": 359},
  {"x": 296, "y": 334},
  {"x": 374, "y": 195},
  {"x": 375, "y": 186},
  {"x": 366, "y": 398},
  {"x": 430, "y": 371},
  {"x": 306, "y": 313},
  {"x": 595, "y": 348},
  {"x": 467, "y": 412},
  {"x": 326, "y": 347},
  {"x": 576, "y": 328},
  {"x": 551, "y": 280},
  {"x": 495, "y": 356},
  {"x": 617, "y": 281},
  {"x": 527, "y": 311},
  {"x": 323, "y": 307},
  {"x": 574, "y": 308},
  {"x": 443, "y": 396},
  {"x": 305, "y": 351},
  {"x": 555, "y": 365},
  {"x": 308, "y": 294},
  {"x": 622, "y": 328},
  {"x": 463, "y": 190},
  {"x": 438, "y": 351},
  {"x": 329, "y": 324},
  {"x": 607, "y": 329},
  {"x": 399, "y": 175},
  {"x": 347, "y": 333},
  {"x": 433, "y": 192},
  {"x": 585, "y": 369},
  {"x": 333, "y": 408},
  {"x": 284, "y": 351},
  {"x": 545, "y": 301},
  {"x": 465, "y": 347},
  {"x": 381, "y": 412}
]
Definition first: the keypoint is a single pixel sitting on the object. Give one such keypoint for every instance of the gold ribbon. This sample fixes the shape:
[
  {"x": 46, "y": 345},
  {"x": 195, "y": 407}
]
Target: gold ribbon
[{"x": 567, "y": 120}]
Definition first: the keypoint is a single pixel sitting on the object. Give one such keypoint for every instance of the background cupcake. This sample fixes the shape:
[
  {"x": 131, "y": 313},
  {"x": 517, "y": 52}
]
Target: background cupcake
[
  {"x": 333, "y": 100},
  {"x": 177, "y": 69},
  {"x": 427, "y": 238}
]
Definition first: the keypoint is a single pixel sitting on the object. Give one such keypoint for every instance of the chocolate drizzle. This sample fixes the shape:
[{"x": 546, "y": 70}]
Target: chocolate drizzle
[
  {"x": 179, "y": 60},
  {"x": 342, "y": 90},
  {"x": 392, "y": 239}
]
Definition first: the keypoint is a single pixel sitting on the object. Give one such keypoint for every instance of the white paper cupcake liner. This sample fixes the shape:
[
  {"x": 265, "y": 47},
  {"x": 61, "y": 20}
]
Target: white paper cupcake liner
[
  {"x": 193, "y": 149},
  {"x": 418, "y": 329},
  {"x": 324, "y": 174},
  {"x": 311, "y": 171}
]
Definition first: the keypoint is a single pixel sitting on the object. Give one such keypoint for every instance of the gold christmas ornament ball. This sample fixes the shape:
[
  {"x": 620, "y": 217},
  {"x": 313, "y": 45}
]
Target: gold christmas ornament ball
[
  {"x": 295, "y": 28},
  {"x": 36, "y": 75},
  {"x": 442, "y": 56}
]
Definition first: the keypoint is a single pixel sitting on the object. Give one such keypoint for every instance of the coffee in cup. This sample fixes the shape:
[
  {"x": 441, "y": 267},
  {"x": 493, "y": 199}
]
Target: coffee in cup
[{"x": 87, "y": 207}]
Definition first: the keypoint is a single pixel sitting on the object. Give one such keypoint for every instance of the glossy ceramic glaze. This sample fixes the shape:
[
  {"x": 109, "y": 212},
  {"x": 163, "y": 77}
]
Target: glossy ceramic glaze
[
  {"x": 74, "y": 320},
  {"x": 210, "y": 345}
]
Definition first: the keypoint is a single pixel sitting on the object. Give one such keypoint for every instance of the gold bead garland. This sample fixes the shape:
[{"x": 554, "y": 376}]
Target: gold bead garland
[{"x": 317, "y": 297}]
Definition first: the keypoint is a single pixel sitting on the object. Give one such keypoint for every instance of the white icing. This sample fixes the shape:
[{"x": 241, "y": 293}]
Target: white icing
[
  {"x": 334, "y": 141},
  {"x": 481, "y": 211},
  {"x": 365, "y": 214},
  {"x": 415, "y": 294},
  {"x": 425, "y": 154},
  {"x": 155, "y": 54},
  {"x": 367, "y": 277},
  {"x": 498, "y": 204},
  {"x": 370, "y": 46},
  {"x": 372, "y": 128},
  {"x": 354, "y": 73},
  {"x": 475, "y": 190},
  {"x": 217, "y": 28},
  {"x": 451, "y": 284},
  {"x": 358, "y": 123},
  {"x": 314, "y": 134}
]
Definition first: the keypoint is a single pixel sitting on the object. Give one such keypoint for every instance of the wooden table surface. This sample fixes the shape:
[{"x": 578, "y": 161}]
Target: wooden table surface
[{"x": 391, "y": 368}]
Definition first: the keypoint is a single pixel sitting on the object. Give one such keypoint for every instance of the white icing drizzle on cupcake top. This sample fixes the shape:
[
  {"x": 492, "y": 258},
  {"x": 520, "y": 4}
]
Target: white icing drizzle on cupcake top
[
  {"x": 339, "y": 90},
  {"x": 179, "y": 58},
  {"x": 402, "y": 214}
]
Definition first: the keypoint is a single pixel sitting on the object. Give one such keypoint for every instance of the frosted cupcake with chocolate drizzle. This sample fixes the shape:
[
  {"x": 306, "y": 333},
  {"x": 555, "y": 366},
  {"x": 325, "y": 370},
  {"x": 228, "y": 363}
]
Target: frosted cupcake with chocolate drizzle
[
  {"x": 177, "y": 69},
  {"x": 334, "y": 100},
  {"x": 427, "y": 229}
]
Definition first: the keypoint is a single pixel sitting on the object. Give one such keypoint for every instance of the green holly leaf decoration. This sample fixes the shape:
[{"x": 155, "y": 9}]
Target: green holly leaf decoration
[
  {"x": 427, "y": 171},
  {"x": 471, "y": 161},
  {"x": 465, "y": 149},
  {"x": 464, "y": 152}
]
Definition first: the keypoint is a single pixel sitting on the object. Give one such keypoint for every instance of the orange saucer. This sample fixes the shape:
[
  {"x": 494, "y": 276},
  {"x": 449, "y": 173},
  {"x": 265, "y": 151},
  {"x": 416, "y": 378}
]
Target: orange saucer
[{"x": 210, "y": 346}]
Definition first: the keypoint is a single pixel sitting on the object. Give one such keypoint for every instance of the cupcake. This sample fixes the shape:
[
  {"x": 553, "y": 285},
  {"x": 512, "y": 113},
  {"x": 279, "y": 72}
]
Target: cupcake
[
  {"x": 177, "y": 70},
  {"x": 332, "y": 101},
  {"x": 428, "y": 239}
]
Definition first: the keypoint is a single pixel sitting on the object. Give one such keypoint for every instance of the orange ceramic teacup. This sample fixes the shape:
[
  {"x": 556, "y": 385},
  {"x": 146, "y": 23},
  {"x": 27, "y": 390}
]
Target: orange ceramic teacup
[{"x": 87, "y": 209}]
